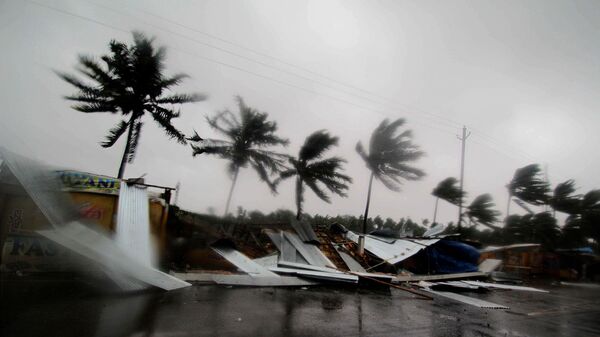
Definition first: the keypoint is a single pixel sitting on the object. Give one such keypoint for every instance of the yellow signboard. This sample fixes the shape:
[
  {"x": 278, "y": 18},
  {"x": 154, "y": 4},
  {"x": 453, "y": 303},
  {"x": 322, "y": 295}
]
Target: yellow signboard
[{"x": 75, "y": 181}]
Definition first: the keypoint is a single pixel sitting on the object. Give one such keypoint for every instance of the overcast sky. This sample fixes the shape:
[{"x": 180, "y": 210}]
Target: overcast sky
[{"x": 523, "y": 76}]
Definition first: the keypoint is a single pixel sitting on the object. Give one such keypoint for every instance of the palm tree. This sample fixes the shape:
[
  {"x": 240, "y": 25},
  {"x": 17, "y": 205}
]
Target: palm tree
[
  {"x": 563, "y": 199},
  {"x": 449, "y": 191},
  {"x": 529, "y": 185},
  {"x": 388, "y": 158},
  {"x": 247, "y": 139},
  {"x": 130, "y": 81},
  {"x": 482, "y": 211},
  {"x": 590, "y": 214},
  {"x": 310, "y": 169}
]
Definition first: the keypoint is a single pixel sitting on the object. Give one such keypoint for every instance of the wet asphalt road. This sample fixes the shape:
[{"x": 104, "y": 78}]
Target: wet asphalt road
[{"x": 69, "y": 308}]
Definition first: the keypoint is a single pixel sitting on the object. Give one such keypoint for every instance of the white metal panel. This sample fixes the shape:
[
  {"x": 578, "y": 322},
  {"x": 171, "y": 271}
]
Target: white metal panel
[
  {"x": 132, "y": 232},
  {"x": 317, "y": 274},
  {"x": 267, "y": 281},
  {"x": 242, "y": 262},
  {"x": 309, "y": 252},
  {"x": 352, "y": 264},
  {"x": 103, "y": 250},
  {"x": 398, "y": 250},
  {"x": 504, "y": 286},
  {"x": 468, "y": 300}
]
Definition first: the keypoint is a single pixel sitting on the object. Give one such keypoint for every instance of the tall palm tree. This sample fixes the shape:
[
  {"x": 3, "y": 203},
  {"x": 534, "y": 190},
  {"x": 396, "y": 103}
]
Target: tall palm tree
[
  {"x": 389, "y": 157},
  {"x": 481, "y": 210},
  {"x": 310, "y": 169},
  {"x": 130, "y": 81},
  {"x": 449, "y": 191},
  {"x": 248, "y": 138}
]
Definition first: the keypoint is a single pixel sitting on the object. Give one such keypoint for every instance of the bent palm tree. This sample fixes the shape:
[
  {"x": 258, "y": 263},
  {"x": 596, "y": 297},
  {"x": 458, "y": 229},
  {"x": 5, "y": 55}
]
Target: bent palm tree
[
  {"x": 248, "y": 138},
  {"x": 529, "y": 185},
  {"x": 388, "y": 158},
  {"x": 311, "y": 170},
  {"x": 449, "y": 191},
  {"x": 130, "y": 81},
  {"x": 563, "y": 199},
  {"x": 482, "y": 211}
]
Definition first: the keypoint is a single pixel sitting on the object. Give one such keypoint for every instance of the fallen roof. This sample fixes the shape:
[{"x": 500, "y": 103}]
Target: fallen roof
[{"x": 392, "y": 251}]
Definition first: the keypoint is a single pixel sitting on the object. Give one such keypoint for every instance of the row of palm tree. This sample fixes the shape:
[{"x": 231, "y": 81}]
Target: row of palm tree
[
  {"x": 130, "y": 80},
  {"x": 480, "y": 211},
  {"x": 531, "y": 187}
]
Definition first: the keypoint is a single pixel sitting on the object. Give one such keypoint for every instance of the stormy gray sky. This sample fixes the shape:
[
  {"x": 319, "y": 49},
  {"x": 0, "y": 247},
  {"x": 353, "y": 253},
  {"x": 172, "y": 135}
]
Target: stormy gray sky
[{"x": 523, "y": 76}]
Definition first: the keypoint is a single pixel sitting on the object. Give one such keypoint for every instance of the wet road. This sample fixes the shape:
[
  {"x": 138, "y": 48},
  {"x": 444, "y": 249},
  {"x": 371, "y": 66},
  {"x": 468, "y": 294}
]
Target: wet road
[{"x": 67, "y": 308}]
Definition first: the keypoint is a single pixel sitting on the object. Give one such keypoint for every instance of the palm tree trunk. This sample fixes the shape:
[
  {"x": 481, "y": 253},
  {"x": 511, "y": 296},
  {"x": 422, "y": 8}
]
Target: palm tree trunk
[
  {"x": 127, "y": 147},
  {"x": 508, "y": 207},
  {"x": 299, "y": 192},
  {"x": 235, "y": 175},
  {"x": 435, "y": 210},
  {"x": 361, "y": 239},
  {"x": 367, "y": 207}
]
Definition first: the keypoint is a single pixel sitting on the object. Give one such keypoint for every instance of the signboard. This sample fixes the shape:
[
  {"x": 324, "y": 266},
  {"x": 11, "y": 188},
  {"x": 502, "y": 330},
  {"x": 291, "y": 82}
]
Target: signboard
[{"x": 74, "y": 181}]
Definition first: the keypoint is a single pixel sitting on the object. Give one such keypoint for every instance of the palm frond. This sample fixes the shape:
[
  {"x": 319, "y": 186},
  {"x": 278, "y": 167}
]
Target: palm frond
[
  {"x": 135, "y": 139},
  {"x": 316, "y": 144},
  {"x": 163, "y": 116},
  {"x": 482, "y": 210},
  {"x": 180, "y": 98},
  {"x": 115, "y": 133}
]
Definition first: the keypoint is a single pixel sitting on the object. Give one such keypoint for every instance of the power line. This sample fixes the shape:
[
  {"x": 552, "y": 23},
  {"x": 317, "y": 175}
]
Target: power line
[
  {"x": 234, "y": 66},
  {"x": 439, "y": 128},
  {"x": 387, "y": 101}
]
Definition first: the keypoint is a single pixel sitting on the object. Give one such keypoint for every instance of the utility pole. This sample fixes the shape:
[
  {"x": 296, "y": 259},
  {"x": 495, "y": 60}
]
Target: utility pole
[
  {"x": 177, "y": 188},
  {"x": 463, "y": 139}
]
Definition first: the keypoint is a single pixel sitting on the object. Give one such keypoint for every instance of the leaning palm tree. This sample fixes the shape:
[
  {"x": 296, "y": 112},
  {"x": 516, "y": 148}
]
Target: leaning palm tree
[
  {"x": 248, "y": 138},
  {"x": 529, "y": 185},
  {"x": 311, "y": 170},
  {"x": 130, "y": 81},
  {"x": 389, "y": 157},
  {"x": 449, "y": 191},
  {"x": 482, "y": 211},
  {"x": 564, "y": 200}
]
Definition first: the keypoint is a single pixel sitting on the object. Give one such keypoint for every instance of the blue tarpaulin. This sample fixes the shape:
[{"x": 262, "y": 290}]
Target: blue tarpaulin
[{"x": 445, "y": 257}]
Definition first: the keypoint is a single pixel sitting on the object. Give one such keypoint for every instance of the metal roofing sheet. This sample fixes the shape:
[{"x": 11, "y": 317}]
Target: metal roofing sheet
[
  {"x": 394, "y": 252},
  {"x": 317, "y": 274},
  {"x": 311, "y": 253},
  {"x": 103, "y": 250},
  {"x": 242, "y": 262},
  {"x": 132, "y": 232}
]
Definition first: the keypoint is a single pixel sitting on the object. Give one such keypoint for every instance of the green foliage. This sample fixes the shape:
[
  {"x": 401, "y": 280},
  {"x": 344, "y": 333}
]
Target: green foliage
[
  {"x": 390, "y": 154},
  {"x": 482, "y": 211},
  {"x": 130, "y": 81},
  {"x": 529, "y": 185},
  {"x": 247, "y": 139},
  {"x": 312, "y": 170},
  {"x": 563, "y": 199},
  {"x": 449, "y": 191}
]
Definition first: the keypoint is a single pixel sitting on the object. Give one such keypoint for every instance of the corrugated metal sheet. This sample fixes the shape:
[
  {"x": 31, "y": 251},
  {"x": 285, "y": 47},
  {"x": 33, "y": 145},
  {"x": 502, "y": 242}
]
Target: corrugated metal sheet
[
  {"x": 392, "y": 251},
  {"x": 311, "y": 253},
  {"x": 504, "y": 286},
  {"x": 468, "y": 300},
  {"x": 317, "y": 274},
  {"x": 103, "y": 250},
  {"x": 305, "y": 231},
  {"x": 133, "y": 224},
  {"x": 243, "y": 263}
]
